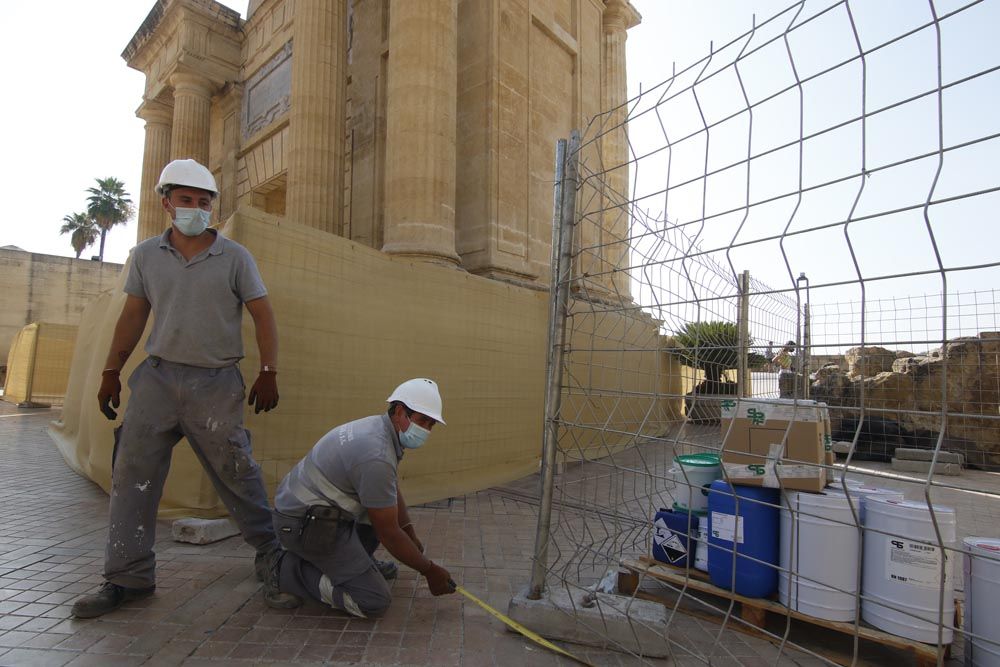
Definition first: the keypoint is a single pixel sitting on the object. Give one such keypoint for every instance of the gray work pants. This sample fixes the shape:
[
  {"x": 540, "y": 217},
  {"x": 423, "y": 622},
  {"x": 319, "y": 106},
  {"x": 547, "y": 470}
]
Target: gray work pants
[
  {"x": 334, "y": 565},
  {"x": 170, "y": 401}
]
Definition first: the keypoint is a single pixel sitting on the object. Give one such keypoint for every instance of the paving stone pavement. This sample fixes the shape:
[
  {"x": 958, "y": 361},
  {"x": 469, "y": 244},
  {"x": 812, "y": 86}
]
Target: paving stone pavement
[{"x": 208, "y": 609}]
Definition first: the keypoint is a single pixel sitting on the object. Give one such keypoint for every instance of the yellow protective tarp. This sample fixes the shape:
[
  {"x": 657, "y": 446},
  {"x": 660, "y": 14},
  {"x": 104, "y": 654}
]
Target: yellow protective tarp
[
  {"x": 38, "y": 363},
  {"x": 353, "y": 323}
]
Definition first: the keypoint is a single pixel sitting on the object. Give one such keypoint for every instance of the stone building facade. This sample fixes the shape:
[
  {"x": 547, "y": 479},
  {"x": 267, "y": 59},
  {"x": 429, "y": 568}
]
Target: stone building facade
[{"x": 425, "y": 129}]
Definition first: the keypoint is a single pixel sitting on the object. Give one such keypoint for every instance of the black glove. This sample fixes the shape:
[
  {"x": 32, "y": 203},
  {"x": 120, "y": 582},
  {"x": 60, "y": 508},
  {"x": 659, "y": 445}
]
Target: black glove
[
  {"x": 110, "y": 393},
  {"x": 264, "y": 393}
]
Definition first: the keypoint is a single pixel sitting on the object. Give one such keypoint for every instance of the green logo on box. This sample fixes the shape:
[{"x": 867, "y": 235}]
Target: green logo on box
[
  {"x": 756, "y": 416},
  {"x": 728, "y": 405},
  {"x": 756, "y": 468}
]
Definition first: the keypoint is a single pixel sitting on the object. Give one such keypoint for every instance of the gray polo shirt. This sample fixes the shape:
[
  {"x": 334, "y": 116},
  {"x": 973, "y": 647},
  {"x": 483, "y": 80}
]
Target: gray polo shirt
[
  {"x": 353, "y": 466},
  {"x": 197, "y": 305}
]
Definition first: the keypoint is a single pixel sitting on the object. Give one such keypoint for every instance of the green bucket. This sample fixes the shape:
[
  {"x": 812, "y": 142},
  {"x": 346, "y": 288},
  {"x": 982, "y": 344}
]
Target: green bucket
[{"x": 701, "y": 460}]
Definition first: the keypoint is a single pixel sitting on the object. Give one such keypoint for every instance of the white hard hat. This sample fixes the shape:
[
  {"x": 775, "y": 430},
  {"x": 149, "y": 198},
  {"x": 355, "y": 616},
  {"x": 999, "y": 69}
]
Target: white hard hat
[
  {"x": 420, "y": 395},
  {"x": 187, "y": 173}
]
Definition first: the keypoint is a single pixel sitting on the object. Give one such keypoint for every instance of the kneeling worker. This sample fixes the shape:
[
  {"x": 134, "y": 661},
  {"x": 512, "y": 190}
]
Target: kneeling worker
[{"x": 339, "y": 502}]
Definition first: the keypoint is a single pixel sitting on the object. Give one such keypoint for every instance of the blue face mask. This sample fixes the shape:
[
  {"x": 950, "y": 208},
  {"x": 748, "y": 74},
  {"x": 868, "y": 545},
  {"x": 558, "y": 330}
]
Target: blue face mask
[
  {"x": 414, "y": 436},
  {"x": 191, "y": 221}
]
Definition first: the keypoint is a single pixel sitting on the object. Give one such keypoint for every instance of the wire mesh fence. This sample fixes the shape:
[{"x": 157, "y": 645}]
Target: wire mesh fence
[{"x": 773, "y": 418}]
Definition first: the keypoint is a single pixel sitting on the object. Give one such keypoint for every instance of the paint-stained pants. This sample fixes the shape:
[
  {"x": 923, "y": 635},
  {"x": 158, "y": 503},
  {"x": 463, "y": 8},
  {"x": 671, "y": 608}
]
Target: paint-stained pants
[
  {"x": 335, "y": 568},
  {"x": 170, "y": 401}
]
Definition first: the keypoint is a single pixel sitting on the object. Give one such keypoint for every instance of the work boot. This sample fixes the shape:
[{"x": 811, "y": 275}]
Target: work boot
[
  {"x": 108, "y": 598},
  {"x": 273, "y": 596},
  {"x": 387, "y": 568}
]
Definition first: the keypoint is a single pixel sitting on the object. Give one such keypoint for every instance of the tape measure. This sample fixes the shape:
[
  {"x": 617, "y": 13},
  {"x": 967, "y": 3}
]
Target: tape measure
[{"x": 535, "y": 637}]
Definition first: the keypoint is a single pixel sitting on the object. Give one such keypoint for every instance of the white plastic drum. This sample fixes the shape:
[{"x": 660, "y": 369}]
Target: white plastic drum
[
  {"x": 982, "y": 601},
  {"x": 860, "y": 494},
  {"x": 820, "y": 546},
  {"x": 902, "y": 571}
]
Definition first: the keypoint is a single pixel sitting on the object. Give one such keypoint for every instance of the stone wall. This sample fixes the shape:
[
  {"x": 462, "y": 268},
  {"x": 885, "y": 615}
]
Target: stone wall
[
  {"x": 902, "y": 396},
  {"x": 46, "y": 288}
]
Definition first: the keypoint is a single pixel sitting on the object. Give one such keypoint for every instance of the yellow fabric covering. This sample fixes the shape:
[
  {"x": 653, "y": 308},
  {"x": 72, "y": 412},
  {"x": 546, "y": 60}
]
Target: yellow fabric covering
[
  {"x": 353, "y": 323},
  {"x": 38, "y": 363}
]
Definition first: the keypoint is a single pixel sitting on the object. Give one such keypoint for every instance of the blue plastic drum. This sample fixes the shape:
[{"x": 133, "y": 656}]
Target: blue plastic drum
[{"x": 744, "y": 525}]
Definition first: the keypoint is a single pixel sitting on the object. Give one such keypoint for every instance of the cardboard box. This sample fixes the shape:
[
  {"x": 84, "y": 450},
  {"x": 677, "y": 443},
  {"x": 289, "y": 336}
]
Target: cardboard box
[
  {"x": 829, "y": 455},
  {"x": 774, "y": 443}
]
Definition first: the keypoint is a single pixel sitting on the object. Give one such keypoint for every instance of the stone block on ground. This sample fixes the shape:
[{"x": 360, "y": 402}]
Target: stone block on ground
[
  {"x": 904, "y": 465},
  {"x": 614, "y": 621},
  {"x": 841, "y": 447},
  {"x": 203, "y": 531},
  {"x": 911, "y": 454}
]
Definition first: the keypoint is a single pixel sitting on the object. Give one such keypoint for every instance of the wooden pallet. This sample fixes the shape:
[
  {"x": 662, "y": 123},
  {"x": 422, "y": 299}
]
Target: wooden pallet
[{"x": 755, "y": 610}]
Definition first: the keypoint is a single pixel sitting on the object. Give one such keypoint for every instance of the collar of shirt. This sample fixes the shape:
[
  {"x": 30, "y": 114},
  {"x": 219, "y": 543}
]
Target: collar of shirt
[
  {"x": 393, "y": 436},
  {"x": 214, "y": 249}
]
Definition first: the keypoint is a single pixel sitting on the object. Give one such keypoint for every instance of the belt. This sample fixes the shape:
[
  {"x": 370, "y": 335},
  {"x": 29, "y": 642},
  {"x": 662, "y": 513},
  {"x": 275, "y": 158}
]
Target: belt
[
  {"x": 156, "y": 361},
  {"x": 326, "y": 512}
]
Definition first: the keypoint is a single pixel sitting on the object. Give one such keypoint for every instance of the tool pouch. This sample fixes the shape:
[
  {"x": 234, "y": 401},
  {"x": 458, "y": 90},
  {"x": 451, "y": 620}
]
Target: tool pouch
[{"x": 320, "y": 526}]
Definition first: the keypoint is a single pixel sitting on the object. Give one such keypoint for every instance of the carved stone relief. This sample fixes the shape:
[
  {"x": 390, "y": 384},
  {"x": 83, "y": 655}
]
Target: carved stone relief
[{"x": 268, "y": 92}]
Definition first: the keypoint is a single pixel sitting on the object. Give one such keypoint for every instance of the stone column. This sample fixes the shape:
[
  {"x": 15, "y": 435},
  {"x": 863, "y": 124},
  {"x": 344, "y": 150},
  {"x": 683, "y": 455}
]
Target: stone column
[
  {"x": 619, "y": 16},
  {"x": 420, "y": 134},
  {"x": 192, "y": 107},
  {"x": 316, "y": 118},
  {"x": 155, "y": 155}
]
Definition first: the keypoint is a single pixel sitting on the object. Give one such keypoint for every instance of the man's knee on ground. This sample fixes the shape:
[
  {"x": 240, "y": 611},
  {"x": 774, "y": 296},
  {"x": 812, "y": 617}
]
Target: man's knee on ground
[{"x": 374, "y": 605}]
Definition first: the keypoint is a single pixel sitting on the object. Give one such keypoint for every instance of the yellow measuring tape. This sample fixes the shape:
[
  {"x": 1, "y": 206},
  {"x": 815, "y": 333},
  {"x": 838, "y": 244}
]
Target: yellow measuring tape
[{"x": 538, "y": 639}]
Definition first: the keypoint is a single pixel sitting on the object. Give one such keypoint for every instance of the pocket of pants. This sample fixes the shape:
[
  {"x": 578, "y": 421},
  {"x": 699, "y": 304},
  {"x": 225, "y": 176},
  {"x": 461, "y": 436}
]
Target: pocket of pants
[{"x": 319, "y": 534}]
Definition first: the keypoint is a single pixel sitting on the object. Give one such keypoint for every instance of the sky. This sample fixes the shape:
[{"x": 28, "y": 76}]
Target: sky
[{"x": 72, "y": 119}]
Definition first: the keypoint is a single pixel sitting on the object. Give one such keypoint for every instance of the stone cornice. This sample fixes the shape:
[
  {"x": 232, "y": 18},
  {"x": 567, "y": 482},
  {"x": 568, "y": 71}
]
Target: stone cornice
[
  {"x": 203, "y": 35},
  {"x": 620, "y": 14},
  {"x": 155, "y": 112}
]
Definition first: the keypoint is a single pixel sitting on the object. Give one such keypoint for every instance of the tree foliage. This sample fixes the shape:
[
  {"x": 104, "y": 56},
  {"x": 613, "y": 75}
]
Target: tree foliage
[
  {"x": 108, "y": 205},
  {"x": 710, "y": 346},
  {"x": 82, "y": 230}
]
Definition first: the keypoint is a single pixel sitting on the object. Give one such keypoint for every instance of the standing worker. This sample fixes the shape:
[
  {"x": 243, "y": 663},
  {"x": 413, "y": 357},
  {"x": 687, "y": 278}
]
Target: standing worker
[
  {"x": 339, "y": 502},
  {"x": 786, "y": 377},
  {"x": 195, "y": 282}
]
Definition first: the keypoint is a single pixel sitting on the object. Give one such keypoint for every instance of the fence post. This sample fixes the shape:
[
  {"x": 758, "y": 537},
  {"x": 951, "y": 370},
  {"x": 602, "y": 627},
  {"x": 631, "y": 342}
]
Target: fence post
[
  {"x": 743, "y": 366},
  {"x": 806, "y": 349},
  {"x": 564, "y": 217},
  {"x": 803, "y": 337}
]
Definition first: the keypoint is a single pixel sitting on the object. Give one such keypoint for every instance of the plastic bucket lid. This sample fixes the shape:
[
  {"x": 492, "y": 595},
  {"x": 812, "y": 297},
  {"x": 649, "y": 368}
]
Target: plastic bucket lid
[
  {"x": 698, "y": 460},
  {"x": 986, "y": 546}
]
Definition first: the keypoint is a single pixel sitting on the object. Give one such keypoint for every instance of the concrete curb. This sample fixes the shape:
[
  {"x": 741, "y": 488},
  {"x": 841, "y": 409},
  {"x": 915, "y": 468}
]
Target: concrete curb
[
  {"x": 904, "y": 465},
  {"x": 614, "y": 621}
]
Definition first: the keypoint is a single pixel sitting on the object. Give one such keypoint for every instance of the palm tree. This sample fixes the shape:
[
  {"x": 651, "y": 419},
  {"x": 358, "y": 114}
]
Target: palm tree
[
  {"x": 109, "y": 206},
  {"x": 84, "y": 231}
]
